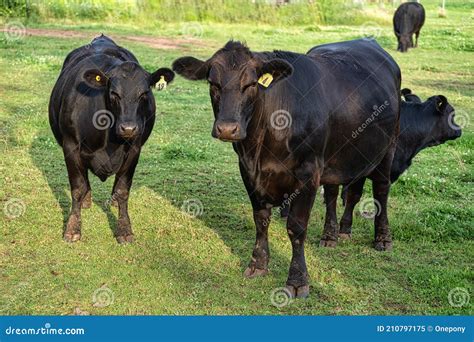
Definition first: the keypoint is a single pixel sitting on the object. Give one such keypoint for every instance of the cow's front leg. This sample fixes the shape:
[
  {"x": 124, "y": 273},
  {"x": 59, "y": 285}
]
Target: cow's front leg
[
  {"x": 121, "y": 191},
  {"x": 77, "y": 174},
  {"x": 258, "y": 265},
  {"x": 329, "y": 238},
  {"x": 297, "y": 223}
]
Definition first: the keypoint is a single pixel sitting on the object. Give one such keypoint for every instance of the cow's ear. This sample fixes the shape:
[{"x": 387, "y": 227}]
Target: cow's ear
[
  {"x": 95, "y": 78},
  {"x": 273, "y": 71},
  {"x": 191, "y": 68},
  {"x": 405, "y": 91},
  {"x": 161, "y": 78},
  {"x": 441, "y": 102}
]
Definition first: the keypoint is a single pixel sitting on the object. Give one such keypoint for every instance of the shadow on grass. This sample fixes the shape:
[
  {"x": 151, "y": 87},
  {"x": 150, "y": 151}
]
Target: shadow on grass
[{"x": 47, "y": 156}]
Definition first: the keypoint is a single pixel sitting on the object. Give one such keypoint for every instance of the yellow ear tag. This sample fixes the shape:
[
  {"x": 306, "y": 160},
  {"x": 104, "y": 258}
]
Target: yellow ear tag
[
  {"x": 98, "y": 78},
  {"x": 161, "y": 84},
  {"x": 265, "y": 80}
]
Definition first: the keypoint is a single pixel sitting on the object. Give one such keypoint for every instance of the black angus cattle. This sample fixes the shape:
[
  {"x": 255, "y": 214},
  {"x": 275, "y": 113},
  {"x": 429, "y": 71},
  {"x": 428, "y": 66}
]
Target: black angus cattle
[
  {"x": 422, "y": 125},
  {"x": 408, "y": 20},
  {"x": 295, "y": 122},
  {"x": 101, "y": 111},
  {"x": 409, "y": 96}
]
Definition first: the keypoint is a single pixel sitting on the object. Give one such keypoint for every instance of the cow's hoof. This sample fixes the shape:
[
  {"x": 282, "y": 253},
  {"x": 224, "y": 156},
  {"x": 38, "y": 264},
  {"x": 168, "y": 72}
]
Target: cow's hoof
[
  {"x": 125, "y": 238},
  {"x": 345, "y": 236},
  {"x": 252, "y": 272},
  {"x": 87, "y": 201},
  {"x": 383, "y": 246},
  {"x": 298, "y": 292},
  {"x": 327, "y": 243},
  {"x": 72, "y": 237}
]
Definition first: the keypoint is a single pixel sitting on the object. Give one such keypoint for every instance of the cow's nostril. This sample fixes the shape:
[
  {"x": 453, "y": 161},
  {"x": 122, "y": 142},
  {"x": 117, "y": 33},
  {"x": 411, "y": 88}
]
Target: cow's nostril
[
  {"x": 219, "y": 129},
  {"x": 235, "y": 129},
  {"x": 128, "y": 129}
]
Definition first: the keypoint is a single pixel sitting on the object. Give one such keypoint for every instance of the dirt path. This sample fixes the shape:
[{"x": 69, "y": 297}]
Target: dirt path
[{"x": 154, "y": 42}]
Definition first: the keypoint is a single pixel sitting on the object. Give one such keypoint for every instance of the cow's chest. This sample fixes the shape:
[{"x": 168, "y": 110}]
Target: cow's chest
[
  {"x": 107, "y": 161},
  {"x": 273, "y": 180}
]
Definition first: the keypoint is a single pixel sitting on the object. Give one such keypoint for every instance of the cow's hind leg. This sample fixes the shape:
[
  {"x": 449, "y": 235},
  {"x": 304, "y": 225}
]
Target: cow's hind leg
[
  {"x": 121, "y": 191},
  {"x": 329, "y": 238},
  {"x": 353, "y": 195},
  {"x": 381, "y": 188},
  {"x": 417, "y": 34},
  {"x": 79, "y": 187},
  {"x": 258, "y": 265}
]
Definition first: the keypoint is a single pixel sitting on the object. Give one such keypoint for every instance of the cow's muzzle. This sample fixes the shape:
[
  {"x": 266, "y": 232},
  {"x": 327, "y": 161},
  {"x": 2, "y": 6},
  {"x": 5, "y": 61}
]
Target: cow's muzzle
[
  {"x": 228, "y": 131},
  {"x": 128, "y": 130}
]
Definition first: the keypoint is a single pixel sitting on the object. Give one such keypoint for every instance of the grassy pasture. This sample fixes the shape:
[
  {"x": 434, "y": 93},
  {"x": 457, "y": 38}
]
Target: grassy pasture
[{"x": 182, "y": 264}]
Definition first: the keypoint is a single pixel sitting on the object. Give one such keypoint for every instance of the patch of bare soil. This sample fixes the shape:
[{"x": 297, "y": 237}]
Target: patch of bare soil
[{"x": 154, "y": 42}]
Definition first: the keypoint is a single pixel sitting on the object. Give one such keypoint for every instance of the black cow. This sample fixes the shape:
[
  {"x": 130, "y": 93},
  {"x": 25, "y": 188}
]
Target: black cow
[
  {"x": 422, "y": 125},
  {"x": 409, "y": 96},
  {"x": 294, "y": 122},
  {"x": 102, "y": 111},
  {"x": 408, "y": 20}
]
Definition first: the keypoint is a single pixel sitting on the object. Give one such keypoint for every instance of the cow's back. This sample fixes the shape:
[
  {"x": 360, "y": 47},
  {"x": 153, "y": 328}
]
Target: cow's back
[
  {"x": 361, "y": 85},
  {"x": 408, "y": 18}
]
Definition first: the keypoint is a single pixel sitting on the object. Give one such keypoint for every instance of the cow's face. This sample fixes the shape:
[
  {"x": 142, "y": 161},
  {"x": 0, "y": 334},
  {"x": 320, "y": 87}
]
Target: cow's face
[
  {"x": 404, "y": 42},
  {"x": 127, "y": 88},
  {"x": 444, "y": 127},
  {"x": 235, "y": 80}
]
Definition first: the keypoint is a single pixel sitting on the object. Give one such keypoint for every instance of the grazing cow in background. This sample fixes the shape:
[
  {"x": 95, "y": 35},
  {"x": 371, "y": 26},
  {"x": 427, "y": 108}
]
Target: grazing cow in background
[
  {"x": 408, "y": 20},
  {"x": 422, "y": 125},
  {"x": 295, "y": 122},
  {"x": 102, "y": 111}
]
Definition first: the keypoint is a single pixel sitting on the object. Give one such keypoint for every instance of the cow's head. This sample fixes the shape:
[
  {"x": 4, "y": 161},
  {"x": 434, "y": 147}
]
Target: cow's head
[
  {"x": 236, "y": 76},
  {"x": 129, "y": 98},
  {"x": 442, "y": 125},
  {"x": 404, "y": 42}
]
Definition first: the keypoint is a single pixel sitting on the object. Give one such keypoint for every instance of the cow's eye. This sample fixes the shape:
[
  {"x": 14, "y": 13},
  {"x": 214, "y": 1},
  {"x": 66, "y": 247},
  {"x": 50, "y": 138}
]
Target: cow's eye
[
  {"x": 250, "y": 85},
  {"x": 144, "y": 96},
  {"x": 214, "y": 85},
  {"x": 114, "y": 96}
]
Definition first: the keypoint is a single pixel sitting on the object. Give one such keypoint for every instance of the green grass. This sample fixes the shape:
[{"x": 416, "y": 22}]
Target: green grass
[{"x": 185, "y": 265}]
